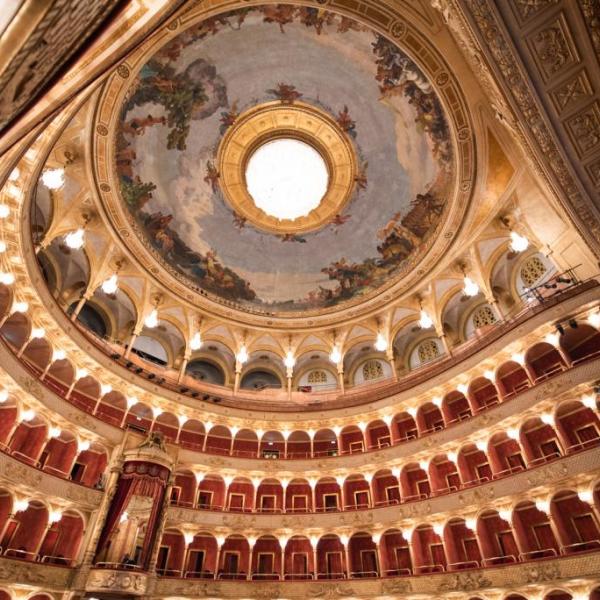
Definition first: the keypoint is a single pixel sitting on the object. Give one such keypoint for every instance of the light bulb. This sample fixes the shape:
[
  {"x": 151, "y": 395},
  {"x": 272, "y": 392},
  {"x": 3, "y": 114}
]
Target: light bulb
[
  {"x": 196, "y": 341},
  {"x": 110, "y": 285},
  {"x": 58, "y": 355},
  {"x": 83, "y": 445},
  {"x": 589, "y": 401},
  {"x": 518, "y": 243},
  {"x": 124, "y": 517},
  {"x": 437, "y": 401},
  {"x": 547, "y": 418},
  {"x": 242, "y": 355},
  {"x": 7, "y": 278},
  {"x": 438, "y": 529},
  {"x": 594, "y": 319},
  {"x": 481, "y": 445},
  {"x": 552, "y": 339},
  {"x": 131, "y": 401},
  {"x": 81, "y": 373},
  {"x": 505, "y": 514},
  {"x": 151, "y": 321},
  {"x": 425, "y": 322},
  {"x": 3, "y": 396},
  {"x": 156, "y": 411},
  {"x": 21, "y": 307},
  {"x": 14, "y": 174},
  {"x": 28, "y": 415},
  {"x": 470, "y": 288},
  {"x": 462, "y": 388},
  {"x": 53, "y": 179},
  {"x": 518, "y": 357},
  {"x": 105, "y": 388},
  {"x": 512, "y": 433},
  {"x": 336, "y": 355},
  {"x": 471, "y": 524},
  {"x": 4, "y": 211},
  {"x": 228, "y": 479},
  {"x": 489, "y": 374},
  {"x": 21, "y": 505},
  {"x": 2, "y": 247},
  {"x": 381, "y": 343},
  {"x": 75, "y": 239},
  {"x": 424, "y": 465},
  {"x": 54, "y": 432},
  {"x": 233, "y": 429},
  {"x": 182, "y": 419},
  {"x": 586, "y": 496},
  {"x": 289, "y": 360},
  {"x": 543, "y": 505},
  {"x": 452, "y": 456},
  {"x": 188, "y": 538}
]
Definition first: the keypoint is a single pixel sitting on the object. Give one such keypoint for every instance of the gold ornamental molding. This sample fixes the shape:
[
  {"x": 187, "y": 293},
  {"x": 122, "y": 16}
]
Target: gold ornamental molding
[
  {"x": 385, "y": 18},
  {"x": 275, "y": 120}
]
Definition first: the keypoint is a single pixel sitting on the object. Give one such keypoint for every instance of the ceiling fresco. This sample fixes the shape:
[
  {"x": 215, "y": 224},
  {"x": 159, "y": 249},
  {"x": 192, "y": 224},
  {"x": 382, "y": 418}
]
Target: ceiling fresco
[{"x": 186, "y": 96}]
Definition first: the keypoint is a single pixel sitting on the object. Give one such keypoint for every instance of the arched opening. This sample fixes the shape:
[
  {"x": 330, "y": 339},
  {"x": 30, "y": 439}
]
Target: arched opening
[
  {"x": 461, "y": 546},
  {"x": 534, "y": 532},
  {"x": 576, "y": 523},
  {"x": 28, "y": 440},
  {"x": 357, "y": 493},
  {"x": 327, "y": 495},
  {"x": 298, "y": 496},
  {"x": 395, "y": 554},
  {"x": 580, "y": 343},
  {"x": 378, "y": 435},
  {"x": 92, "y": 319},
  {"x": 414, "y": 483},
  {"x": 473, "y": 466},
  {"x": 245, "y": 444},
  {"x": 429, "y": 418},
  {"x": 171, "y": 554},
  {"x": 429, "y": 554},
  {"x": 386, "y": 488},
  {"x": 443, "y": 475},
  {"x": 89, "y": 467},
  {"x": 455, "y": 407},
  {"x": 544, "y": 360},
  {"x": 240, "y": 495},
  {"x": 298, "y": 560},
  {"x": 183, "y": 492},
  {"x": 218, "y": 440},
  {"x": 498, "y": 544},
  {"x": 206, "y": 371},
  {"x": 272, "y": 445},
  {"x": 211, "y": 493},
  {"x": 331, "y": 561},
  {"x": 59, "y": 454},
  {"x": 266, "y": 559},
  {"x": 112, "y": 408},
  {"x": 364, "y": 561},
  {"x": 298, "y": 445},
  {"x": 405, "y": 427},
  {"x": 62, "y": 540},
  {"x": 168, "y": 425},
  {"x": 539, "y": 441},
  {"x": 351, "y": 440},
  {"x": 192, "y": 434},
  {"x": 202, "y": 557},
  {"x": 25, "y": 531},
  {"x": 234, "y": 558},
  {"x": 260, "y": 379},
  {"x": 325, "y": 443},
  {"x": 269, "y": 496},
  {"x": 511, "y": 379},
  {"x": 578, "y": 425},
  {"x": 505, "y": 455},
  {"x": 483, "y": 393}
]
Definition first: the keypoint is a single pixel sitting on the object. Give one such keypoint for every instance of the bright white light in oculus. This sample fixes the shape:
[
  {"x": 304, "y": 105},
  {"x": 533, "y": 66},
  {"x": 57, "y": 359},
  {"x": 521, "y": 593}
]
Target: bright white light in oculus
[{"x": 286, "y": 178}]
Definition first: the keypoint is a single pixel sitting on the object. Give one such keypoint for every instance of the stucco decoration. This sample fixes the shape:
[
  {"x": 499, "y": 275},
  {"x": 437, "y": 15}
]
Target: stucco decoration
[{"x": 184, "y": 99}]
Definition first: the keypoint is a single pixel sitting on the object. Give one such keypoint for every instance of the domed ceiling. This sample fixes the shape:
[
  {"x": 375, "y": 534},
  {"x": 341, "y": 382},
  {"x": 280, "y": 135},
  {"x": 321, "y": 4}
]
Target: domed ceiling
[{"x": 188, "y": 97}]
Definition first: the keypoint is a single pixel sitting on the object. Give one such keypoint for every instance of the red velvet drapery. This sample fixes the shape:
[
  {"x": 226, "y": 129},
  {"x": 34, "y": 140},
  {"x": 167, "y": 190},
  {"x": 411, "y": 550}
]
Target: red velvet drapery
[{"x": 142, "y": 479}]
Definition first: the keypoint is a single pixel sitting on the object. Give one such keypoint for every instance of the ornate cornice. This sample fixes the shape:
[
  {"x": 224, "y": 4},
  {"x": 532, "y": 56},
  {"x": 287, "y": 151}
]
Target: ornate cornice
[
  {"x": 531, "y": 127},
  {"x": 561, "y": 474},
  {"x": 522, "y": 577}
]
